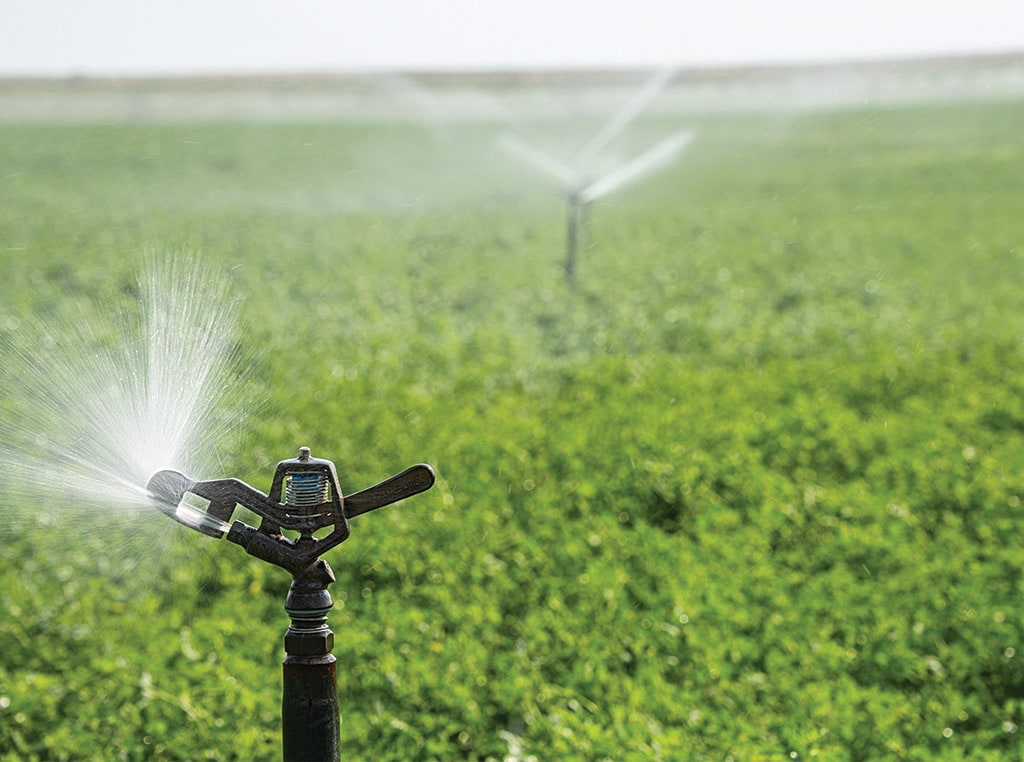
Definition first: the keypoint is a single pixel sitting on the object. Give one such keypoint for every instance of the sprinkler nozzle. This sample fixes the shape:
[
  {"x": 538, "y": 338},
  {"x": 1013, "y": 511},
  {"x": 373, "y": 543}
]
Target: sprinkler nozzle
[{"x": 168, "y": 489}]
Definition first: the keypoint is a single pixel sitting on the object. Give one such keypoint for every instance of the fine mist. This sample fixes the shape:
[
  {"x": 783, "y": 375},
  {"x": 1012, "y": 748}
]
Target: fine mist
[{"x": 99, "y": 400}]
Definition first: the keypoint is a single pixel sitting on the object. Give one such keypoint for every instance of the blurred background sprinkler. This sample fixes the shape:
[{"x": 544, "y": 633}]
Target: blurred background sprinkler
[
  {"x": 577, "y": 176},
  {"x": 305, "y": 499}
]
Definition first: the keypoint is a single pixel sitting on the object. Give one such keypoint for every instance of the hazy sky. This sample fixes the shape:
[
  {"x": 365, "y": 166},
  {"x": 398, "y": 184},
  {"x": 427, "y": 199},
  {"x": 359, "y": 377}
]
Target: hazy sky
[{"x": 235, "y": 36}]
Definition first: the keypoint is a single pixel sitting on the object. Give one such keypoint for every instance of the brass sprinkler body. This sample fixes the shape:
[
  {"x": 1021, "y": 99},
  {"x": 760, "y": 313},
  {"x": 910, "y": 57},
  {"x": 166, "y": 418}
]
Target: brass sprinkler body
[{"x": 305, "y": 497}]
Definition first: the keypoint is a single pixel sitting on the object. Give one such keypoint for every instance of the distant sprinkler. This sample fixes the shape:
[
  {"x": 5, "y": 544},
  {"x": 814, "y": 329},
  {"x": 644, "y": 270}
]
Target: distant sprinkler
[
  {"x": 305, "y": 498},
  {"x": 581, "y": 190}
]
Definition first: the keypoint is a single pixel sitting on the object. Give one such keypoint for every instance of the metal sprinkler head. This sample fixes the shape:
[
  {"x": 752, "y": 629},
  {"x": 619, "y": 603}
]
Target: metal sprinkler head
[{"x": 305, "y": 498}]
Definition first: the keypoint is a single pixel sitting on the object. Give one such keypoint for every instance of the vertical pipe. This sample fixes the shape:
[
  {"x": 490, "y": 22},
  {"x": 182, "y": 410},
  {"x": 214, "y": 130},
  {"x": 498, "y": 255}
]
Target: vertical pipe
[
  {"x": 572, "y": 238},
  {"x": 310, "y": 722},
  {"x": 311, "y": 728},
  {"x": 585, "y": 235}
]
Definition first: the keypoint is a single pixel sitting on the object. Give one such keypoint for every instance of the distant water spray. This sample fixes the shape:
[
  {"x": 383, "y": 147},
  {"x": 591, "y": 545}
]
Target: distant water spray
[
  {"x": 647, "y": 162},
  {"x": 94, "y": 406},
  {"x": 552, "y": 166},
  {"x": 577, "y": 174}
]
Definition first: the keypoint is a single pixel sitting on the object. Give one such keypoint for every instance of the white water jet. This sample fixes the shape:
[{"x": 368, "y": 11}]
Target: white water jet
[
  {"x": 92, "y": 413},
  {"x": 650, "y": 160},
  {"x": 561, "y": 172},
  {"x": 625, "y": 116}
]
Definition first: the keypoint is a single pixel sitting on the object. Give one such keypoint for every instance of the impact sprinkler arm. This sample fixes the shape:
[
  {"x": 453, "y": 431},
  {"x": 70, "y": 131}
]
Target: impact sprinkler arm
[{"x": 312, "y": 500}]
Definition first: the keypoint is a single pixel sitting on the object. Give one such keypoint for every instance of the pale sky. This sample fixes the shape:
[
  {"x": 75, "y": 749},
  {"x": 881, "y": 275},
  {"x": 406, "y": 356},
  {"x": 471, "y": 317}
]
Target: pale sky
[{"x": 138, "y": 37}]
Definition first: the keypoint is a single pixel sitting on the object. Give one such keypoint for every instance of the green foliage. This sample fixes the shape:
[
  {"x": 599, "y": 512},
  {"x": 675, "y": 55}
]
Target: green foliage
[{"x": 752, "y": 492}]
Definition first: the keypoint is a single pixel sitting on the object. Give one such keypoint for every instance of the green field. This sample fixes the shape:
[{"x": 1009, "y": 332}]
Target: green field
[{"x": 752, "y": 491}]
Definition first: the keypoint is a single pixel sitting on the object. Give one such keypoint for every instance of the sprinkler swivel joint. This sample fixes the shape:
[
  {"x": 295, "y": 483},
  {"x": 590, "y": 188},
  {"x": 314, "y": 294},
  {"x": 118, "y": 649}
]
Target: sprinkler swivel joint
[{"x": 305, "y": 498}]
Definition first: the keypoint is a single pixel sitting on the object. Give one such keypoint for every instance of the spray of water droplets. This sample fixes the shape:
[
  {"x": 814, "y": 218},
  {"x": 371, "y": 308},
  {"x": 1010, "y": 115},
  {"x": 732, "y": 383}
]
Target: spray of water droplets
[
  {"x": 95, "y": 405},
  {"x": 577, "y": 175}
]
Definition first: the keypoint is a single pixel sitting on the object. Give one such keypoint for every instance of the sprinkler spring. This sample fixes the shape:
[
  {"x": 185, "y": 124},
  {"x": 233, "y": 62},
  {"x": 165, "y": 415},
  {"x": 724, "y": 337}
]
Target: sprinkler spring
[{"x": 306, "y": 490}]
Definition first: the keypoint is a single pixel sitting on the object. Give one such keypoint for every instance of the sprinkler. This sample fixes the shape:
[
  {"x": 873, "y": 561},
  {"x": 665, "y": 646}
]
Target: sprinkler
[
  {"x": 582, "y": 192},
  {"x": 575, "y": 176},
  {"x": 305, "y": 499}
]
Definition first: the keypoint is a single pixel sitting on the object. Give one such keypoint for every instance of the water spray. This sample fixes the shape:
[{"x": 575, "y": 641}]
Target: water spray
[{"x": 305, "y": 499}]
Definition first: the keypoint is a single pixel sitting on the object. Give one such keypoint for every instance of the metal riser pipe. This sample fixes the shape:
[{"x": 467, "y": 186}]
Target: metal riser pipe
[{"x": 311, "y": 730}]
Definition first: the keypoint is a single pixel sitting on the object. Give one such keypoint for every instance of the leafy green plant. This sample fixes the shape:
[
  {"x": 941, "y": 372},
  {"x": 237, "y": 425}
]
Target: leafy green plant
[{"x": 751, "y": 492}]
